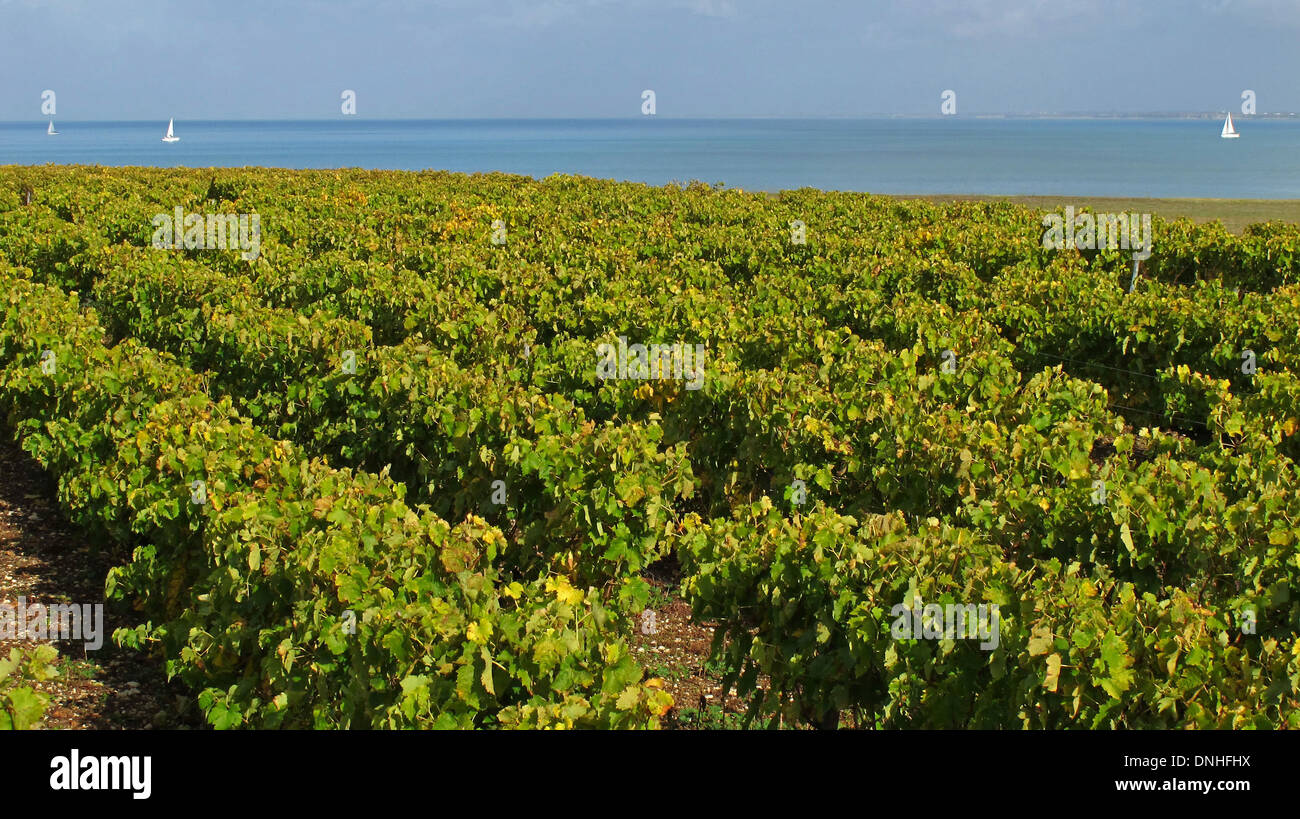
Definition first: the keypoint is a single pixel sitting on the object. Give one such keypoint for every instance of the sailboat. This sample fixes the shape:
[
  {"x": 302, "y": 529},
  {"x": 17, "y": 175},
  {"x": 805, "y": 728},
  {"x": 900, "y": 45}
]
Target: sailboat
[
  {"x": 171, "y": 137},
  {"x": 51, "y": 130},
  {"x": 1228, "y": 131}
]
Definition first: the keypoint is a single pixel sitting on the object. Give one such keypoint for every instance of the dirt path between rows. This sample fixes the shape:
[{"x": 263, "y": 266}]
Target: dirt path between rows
[{"x": 44, "y": 559}]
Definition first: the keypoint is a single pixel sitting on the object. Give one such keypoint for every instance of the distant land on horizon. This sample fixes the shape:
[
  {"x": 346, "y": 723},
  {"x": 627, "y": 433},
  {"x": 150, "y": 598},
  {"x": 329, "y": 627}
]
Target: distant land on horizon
[{"x": 971, "y": 115}]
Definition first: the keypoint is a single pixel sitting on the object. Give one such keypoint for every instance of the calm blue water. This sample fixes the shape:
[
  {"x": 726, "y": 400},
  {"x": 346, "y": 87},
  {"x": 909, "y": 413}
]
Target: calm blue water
[{"x": 1161, "y": 158}]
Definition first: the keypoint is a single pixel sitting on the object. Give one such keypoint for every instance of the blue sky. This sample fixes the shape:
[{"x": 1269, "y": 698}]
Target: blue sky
[{"x": 237, "y": 59}]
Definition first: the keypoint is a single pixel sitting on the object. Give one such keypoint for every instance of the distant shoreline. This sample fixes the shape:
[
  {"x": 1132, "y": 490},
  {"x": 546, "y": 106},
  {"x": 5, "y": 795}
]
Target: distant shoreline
[{"x": 1152, "y": 115}]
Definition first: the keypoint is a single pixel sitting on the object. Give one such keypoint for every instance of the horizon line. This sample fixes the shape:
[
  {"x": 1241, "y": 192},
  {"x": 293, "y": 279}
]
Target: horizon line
[{"x": 972, "y": 115}]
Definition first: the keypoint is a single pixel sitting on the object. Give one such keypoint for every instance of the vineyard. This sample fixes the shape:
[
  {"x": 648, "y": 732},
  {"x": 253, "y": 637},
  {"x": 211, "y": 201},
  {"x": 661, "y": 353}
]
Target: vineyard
[{"x": 374, "y": 475}]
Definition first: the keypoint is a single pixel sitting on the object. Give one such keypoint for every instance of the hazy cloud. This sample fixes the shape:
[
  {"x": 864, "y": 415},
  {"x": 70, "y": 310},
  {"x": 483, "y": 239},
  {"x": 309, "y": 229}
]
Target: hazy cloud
[{"x": 144, "y": 59}]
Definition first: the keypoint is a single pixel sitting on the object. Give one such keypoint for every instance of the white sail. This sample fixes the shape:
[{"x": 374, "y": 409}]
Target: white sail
[
  {"x": 1228, "y": 131},
  {"x": 171, "y": 136},
  {"x": 51, "y": 130}
]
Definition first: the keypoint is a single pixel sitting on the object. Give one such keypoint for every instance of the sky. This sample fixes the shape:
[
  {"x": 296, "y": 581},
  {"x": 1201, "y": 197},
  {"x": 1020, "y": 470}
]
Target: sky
[{"x": 292, "y": 59}]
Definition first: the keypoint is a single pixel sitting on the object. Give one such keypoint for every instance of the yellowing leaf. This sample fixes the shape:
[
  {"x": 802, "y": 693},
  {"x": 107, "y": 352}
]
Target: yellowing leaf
[
  {"x": 486, "y": 677},
  {"x": 1126, "y": 537},
  {"x": 479, "y": 632},
  {"x": 628, "y": 699},
  {"x": 564, "y": 591},
  {"x": 1040, "y": 641},
  {"x": 1053, "y": 677}
]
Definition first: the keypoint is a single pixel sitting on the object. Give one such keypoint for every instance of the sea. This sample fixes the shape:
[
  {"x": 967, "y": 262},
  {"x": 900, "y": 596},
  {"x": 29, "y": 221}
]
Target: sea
[{"x": 1123, "y": 157}]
